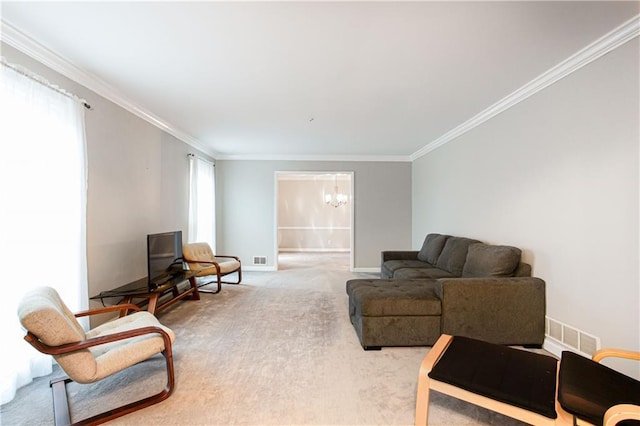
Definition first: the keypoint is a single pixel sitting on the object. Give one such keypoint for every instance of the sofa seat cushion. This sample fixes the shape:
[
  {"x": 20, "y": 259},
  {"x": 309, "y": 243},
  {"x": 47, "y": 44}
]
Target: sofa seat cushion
[
  {"x": 359, "y": 282},
  {"x": 374, "y": 298},
  {"x": 432, "y": 247},
  {"x": 391, "y": 266},
  {"x": 433, "y": 273},
  {"x": 485, "y": 260},
  {"x": 454, "y": 255}
]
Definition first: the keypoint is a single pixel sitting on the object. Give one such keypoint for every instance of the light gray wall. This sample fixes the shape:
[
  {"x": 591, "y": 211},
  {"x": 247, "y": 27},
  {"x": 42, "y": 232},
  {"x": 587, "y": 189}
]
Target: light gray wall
[
  {"x": 137, "y": 183},
  {"x": 556, "y": 175},
  {"x": 245, "y": 203}
]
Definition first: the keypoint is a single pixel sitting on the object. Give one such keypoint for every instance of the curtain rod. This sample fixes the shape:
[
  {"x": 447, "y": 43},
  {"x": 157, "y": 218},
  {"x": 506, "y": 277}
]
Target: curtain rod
[
  {"x": 38, "y": 79},
  {"x": 190, "y": 155}
]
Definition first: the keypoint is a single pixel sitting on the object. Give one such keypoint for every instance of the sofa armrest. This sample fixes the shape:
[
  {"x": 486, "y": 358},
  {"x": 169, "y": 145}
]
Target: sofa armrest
[
  {"x": 399, "y": 255},
  {"x": 502, "y": 310},
  {"x": 523, "y": 270}
]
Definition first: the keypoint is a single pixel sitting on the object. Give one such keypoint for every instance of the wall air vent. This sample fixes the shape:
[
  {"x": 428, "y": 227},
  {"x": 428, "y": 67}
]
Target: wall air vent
[
  {"x": 571, "y": 337},
  {"x": 259, "y": 260}
]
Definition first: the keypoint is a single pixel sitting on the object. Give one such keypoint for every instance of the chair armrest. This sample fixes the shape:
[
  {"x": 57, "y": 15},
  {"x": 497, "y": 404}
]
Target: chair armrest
[
  {"x": 617, "y": 353},
  {"x": 208, "y": 262},
  {"x": 399, "y": 255},
  {"x": 229, "y": 257},
  {"x": 193, "y": 261},
  {"x": 211, "y": 262},
  {"x": 101, "y": 340},
  {"x": 620, "y": 412},
  {"x": 96, "y": 311},
  {"x": 502, "y": 310}
]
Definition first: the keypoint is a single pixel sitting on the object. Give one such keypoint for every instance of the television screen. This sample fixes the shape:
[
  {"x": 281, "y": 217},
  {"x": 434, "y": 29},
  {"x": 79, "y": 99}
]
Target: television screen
[{"x": 164, "y": 257}]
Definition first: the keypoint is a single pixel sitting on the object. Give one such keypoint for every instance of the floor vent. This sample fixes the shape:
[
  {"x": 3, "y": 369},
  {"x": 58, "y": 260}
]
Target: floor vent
[
  {"x": 572, "y": 337},
  {"x": 259, "y": 260}
]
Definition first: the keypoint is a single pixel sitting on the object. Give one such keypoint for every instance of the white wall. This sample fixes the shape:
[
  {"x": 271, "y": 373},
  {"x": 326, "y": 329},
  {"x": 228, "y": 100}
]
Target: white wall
[
  {"x": 556, "y": 175},
  {"x": 137, "y": 183},
  {"x": 305, "y": 221},
  {"x": 245, "y": 203}
]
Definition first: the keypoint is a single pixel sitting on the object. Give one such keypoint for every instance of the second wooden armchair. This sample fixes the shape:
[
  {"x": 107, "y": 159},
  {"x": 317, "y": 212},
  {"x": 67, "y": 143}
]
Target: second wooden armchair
[{"x": 200, "y": 258}]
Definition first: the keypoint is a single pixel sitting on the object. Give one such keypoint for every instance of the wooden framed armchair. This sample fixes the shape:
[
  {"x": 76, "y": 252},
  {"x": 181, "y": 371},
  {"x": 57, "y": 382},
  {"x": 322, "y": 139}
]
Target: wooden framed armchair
[
  {"x": 87, "y": 357},
  {"x": 528, "y": 386},
  {"x": 200, "y": 258}
]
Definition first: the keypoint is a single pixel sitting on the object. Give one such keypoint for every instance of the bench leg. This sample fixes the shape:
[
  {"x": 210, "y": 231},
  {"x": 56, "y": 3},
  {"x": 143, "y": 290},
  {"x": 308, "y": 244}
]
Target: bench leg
[{"x": 422, "y": 395}]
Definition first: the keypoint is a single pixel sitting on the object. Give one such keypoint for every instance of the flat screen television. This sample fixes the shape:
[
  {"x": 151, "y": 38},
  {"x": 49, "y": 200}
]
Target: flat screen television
[{"x": 164, "y": 257}]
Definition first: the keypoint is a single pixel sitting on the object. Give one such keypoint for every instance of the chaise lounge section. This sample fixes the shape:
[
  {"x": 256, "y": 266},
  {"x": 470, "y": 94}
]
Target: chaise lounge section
[{"x": 453, "y": 285}]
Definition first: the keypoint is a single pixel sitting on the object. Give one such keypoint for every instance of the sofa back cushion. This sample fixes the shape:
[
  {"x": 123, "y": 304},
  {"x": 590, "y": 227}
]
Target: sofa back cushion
[
  {"x": 485, "y": 260},
  {"x": 432, "y": 247},
  {"x": 454, "y": 254}
]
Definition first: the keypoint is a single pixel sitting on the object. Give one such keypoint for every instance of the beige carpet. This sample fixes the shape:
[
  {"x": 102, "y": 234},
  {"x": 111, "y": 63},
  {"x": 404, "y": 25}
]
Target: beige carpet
[{"x": 276, "y": 350}]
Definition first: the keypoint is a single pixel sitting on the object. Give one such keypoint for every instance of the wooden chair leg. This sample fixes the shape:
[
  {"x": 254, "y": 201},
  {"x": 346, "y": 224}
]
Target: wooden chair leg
[
  {"x": 61, "y": 404},
  {"x": 239, "y": 271},
  {"x": 216, "y": 291},
  {"x": 220, "y": 282}
]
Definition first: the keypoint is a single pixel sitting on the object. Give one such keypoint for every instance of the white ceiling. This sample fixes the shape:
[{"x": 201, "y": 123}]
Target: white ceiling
[{"x": 315, "y": 79}]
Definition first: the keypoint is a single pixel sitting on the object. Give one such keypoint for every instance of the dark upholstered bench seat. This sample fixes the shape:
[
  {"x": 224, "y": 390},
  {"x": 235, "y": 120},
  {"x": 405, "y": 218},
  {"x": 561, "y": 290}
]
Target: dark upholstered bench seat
[
  {"x": 516, "y": 377},
  {"x": 394, "y": 312}
]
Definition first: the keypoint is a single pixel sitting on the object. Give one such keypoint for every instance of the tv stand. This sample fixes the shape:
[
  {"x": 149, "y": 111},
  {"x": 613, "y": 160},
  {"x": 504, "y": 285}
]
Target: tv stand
[{"x": 158, "y": 299}]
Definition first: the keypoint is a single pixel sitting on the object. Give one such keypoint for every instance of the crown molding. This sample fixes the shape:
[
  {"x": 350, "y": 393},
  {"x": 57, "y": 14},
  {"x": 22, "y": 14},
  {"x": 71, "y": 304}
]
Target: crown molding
[
  {"x": 355, "y": 158},
  {"x": 329, "y": 176},
  {"x": 17, "y": 39},
  {"x": 610, "y": 41}
]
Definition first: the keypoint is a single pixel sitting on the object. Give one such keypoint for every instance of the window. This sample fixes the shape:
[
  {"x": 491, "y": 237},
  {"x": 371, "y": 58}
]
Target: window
[
  {"x": 201, "y": 201},
  {"x": 43, "y": 192}
]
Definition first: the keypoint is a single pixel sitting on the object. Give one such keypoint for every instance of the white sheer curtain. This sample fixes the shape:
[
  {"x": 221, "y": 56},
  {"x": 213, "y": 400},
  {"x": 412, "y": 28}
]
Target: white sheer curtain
[
  {"x": 43, "y": 192},
  {"x": 201, "y": 201}
]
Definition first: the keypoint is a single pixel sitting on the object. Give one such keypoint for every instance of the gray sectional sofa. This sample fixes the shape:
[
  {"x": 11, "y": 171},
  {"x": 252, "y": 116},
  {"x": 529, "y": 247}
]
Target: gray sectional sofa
[
  {"x": 443, "y": 256},
  {"x": 453, "y": 285}
]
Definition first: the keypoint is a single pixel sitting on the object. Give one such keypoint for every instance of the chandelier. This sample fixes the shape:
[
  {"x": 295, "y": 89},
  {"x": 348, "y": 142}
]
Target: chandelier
[{"x": 335, "y": 199}]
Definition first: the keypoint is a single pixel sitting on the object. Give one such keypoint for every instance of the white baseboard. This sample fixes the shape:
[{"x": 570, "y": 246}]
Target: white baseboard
[
  {"x": 254, "y": 268},
  {"x": 367, "y": 270},
  {"x": 553, "y": 346},
  {"x": 312, "y": 250}
]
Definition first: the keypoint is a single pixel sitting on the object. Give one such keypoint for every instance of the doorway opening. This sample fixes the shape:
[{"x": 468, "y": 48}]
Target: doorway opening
[{"x": 313, "y": 217}]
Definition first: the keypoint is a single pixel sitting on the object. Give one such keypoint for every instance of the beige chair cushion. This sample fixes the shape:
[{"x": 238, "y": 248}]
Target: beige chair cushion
[
  {"x": 116, "y": 356},
  {"x": 226, "y": 266},
  {"x": 45, "y": 315},
  {"x": 194, "y": 252}
]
